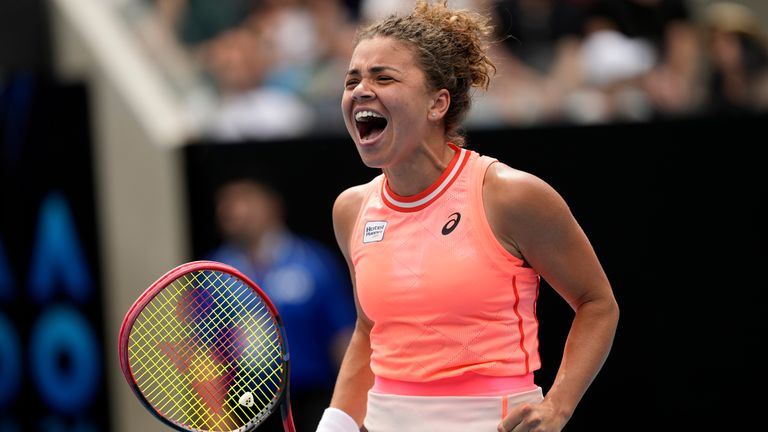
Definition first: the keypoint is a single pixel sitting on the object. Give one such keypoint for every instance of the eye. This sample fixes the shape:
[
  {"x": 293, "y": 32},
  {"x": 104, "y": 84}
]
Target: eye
[
  {"x": 384, "y": 79},
  {"x": 351, "y": 83}
]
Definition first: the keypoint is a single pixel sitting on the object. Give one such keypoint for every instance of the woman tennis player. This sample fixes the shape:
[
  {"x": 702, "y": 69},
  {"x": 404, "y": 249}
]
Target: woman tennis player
[{"x": 447, "y": 247}]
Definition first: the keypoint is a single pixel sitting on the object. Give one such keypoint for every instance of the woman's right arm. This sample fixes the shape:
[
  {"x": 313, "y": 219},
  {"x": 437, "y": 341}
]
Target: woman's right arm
[{"x": 355, "y": 377}]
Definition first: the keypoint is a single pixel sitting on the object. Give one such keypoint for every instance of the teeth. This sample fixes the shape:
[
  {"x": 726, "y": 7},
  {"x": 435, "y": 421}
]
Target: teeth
[{"x": 366, "y": 114}]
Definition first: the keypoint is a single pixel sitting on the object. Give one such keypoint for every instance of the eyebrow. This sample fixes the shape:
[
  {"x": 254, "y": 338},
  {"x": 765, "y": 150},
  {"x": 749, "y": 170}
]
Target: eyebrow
[{"x": 374, "y": 69}]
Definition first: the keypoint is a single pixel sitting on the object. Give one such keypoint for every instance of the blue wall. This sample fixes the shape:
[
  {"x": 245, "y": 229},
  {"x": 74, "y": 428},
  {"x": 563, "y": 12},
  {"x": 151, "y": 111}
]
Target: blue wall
[{"x": 52, "y": 359}]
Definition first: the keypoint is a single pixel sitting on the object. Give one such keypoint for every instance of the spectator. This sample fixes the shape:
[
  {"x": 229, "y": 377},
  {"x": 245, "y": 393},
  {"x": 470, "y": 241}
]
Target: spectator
[
  {"x": 656, "y": 44},
  {"x": 737, "y": 59},
  {"x": 302, "y": 277},
  {"x": 537, "y": 57}
]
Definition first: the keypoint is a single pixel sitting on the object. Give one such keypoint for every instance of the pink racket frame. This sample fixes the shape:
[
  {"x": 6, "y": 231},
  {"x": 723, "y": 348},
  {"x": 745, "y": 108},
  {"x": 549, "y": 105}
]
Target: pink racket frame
[{"x": 159, "y": 285}]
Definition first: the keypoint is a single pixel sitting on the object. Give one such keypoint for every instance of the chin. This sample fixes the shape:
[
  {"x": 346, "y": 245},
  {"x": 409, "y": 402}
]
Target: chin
[
  {"x": 377, "y": 158},
  {"x": 369, "y": 159}
]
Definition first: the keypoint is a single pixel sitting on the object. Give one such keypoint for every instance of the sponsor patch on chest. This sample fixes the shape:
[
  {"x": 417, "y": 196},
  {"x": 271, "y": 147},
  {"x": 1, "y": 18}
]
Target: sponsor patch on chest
[{"x": 374, "y": 231}]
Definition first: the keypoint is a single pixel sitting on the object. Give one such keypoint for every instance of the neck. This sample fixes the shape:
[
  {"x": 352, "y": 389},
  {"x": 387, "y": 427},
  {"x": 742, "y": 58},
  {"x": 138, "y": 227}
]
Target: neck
[{"x": 420, "y": 170}]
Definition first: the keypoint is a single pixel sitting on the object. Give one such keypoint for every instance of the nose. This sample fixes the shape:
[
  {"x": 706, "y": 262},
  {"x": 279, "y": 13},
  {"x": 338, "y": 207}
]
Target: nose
[{"x": 362, "y": 93}]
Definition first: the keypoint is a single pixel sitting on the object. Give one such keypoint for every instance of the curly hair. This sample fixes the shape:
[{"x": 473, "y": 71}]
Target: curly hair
[{"x": 450, "y": 46}]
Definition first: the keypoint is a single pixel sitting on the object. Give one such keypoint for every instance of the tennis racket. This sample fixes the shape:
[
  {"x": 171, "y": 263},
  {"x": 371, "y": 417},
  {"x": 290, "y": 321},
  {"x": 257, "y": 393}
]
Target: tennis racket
[{"x": 204, "y": 349}]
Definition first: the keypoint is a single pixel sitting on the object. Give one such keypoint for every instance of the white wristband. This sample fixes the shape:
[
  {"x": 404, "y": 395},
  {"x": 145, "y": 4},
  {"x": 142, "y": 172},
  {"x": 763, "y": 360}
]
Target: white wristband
[{"x": 336, "y": 420}]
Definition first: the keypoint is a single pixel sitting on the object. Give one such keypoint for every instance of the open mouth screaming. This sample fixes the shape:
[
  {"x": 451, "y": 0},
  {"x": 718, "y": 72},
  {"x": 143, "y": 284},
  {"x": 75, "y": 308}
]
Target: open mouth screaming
[{"x": 369, "y": 124}]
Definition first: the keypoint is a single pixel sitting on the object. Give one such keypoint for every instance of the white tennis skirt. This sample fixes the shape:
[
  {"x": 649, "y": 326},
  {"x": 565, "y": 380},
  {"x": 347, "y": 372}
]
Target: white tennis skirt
[{"x": 396, "y": 413}]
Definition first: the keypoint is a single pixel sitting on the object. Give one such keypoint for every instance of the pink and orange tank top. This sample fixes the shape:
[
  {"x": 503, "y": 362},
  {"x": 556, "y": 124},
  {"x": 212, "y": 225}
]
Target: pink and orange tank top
[{"x": 445, "y": 297}]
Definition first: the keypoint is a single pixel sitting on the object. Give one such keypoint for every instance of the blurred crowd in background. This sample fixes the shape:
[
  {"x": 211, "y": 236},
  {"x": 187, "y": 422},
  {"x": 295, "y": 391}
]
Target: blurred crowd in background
[{"x": 278, "y": 65}]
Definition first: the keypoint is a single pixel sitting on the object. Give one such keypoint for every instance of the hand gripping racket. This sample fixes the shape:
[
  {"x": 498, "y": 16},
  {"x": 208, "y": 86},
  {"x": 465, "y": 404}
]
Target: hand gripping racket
[{"x": 204, "y": 349}]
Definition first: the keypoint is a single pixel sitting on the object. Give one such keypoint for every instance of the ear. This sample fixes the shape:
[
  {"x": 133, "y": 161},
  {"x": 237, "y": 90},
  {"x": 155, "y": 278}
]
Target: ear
[{"x": 441, "y": 100}]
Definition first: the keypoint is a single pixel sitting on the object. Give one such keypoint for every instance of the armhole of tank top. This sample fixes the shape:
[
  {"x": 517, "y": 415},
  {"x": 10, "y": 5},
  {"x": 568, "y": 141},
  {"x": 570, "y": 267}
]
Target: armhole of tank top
[
  {"x": 492, "y": 244},
  {"x": 372, "y": 186}
]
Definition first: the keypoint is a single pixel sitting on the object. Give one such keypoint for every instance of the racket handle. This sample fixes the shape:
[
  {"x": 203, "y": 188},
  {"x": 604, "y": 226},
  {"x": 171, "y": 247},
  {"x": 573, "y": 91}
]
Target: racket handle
[{"x": 285, "y": 410}]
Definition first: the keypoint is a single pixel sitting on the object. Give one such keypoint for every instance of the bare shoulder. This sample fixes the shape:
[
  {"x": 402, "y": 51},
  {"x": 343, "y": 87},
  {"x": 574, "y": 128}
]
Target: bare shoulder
[
  {"x": 348, "y": 203},
  {"x": 345, "y": 210},
  {"x": 523, "y": 210},
  {"x": 511, "y": 190}
]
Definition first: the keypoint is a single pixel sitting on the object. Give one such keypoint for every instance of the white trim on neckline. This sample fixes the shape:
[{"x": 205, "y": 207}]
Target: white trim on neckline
[{"x": 448, "y": 179}]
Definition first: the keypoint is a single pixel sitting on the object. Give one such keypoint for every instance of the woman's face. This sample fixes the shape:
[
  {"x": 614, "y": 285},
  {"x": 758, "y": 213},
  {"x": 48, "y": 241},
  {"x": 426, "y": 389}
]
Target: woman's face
[{"x": 386, "y": 102}]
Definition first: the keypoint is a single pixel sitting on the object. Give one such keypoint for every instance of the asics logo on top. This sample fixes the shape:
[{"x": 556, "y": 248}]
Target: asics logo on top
[{"x": 452, "y": 223}]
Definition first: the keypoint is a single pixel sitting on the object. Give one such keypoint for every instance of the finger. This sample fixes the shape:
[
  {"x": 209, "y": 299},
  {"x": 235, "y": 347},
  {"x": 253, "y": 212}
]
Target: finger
[{"x": 514, "y": 418}]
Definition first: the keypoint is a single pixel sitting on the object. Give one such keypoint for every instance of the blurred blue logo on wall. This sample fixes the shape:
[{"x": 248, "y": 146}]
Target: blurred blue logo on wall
[{"x": 52, "y": 374}]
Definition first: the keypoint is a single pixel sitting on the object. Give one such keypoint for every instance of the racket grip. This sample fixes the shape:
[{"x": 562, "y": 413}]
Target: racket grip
[
  {"x": 287, "y": 413},
  {"x": 336, "y": 420}
]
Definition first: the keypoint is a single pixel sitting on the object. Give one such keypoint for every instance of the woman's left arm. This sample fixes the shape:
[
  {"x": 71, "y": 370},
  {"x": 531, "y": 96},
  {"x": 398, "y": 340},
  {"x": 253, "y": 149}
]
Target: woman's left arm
[{"x": 533, "y": 222}]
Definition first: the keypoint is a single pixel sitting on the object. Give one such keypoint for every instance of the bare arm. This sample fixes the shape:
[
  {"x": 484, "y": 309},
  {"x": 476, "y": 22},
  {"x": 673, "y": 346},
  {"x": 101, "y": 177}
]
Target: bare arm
[
  {"x": 533, "y": 222},
  {"x": 355, "y": 377}
]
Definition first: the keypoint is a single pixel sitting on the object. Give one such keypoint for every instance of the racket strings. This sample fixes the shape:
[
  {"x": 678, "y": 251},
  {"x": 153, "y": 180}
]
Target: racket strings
[
  {"x": 266, "y": 358},
  {"x": 261, "y": 313},
  {"x": 171, "y": 388},
  {"x": 212, "y": 390},
  {"x": 146, "y": 361},
  {"x": 202, "y": 343}
]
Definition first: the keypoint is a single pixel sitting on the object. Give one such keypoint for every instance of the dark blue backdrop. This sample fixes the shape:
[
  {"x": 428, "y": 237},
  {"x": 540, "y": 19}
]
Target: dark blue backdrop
[{"x": 52, "y": 359}]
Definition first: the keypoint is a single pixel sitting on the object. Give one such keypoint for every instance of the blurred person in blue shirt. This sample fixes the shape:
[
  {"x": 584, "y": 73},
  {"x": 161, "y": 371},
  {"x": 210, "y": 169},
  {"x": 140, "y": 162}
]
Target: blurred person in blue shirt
[{"x": 302, "y": 277}]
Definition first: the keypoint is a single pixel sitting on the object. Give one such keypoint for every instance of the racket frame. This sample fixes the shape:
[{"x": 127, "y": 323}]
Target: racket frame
[{"x": 283, "y": 400}]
